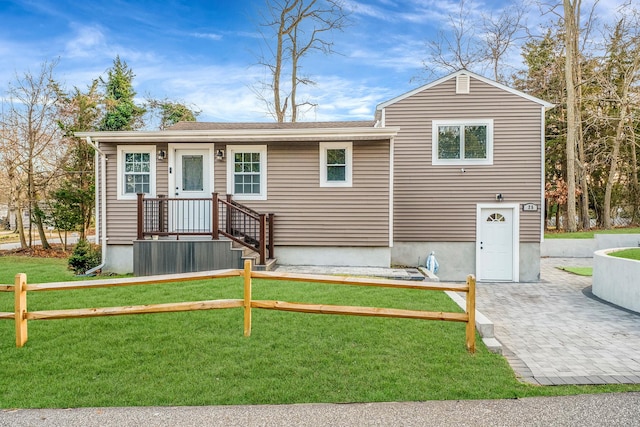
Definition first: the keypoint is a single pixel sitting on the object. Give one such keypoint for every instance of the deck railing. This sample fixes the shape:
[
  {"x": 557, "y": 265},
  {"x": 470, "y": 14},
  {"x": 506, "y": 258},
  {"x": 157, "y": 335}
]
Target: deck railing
[{"x": 163, "y": 216}]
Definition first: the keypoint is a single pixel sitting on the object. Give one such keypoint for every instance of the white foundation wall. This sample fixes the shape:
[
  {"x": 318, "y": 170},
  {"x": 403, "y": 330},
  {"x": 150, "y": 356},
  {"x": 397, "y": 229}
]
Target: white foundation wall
[
  {"x": 335, "y": 256},
  {"x": 458, "y": 259},
  {"x": 119, "y": 259}
]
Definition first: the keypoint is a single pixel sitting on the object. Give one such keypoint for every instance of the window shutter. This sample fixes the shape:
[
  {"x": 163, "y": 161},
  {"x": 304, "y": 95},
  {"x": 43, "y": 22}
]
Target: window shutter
[{"x": 462, "y": 83}]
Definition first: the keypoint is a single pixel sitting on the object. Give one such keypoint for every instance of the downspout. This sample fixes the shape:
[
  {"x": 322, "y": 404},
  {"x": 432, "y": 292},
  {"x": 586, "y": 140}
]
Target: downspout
[{"x": 103, "y": 205}]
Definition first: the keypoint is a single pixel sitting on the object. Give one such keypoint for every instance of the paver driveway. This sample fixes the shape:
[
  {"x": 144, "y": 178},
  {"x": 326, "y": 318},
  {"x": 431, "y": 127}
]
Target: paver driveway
[{"x": 554, "y": 333}]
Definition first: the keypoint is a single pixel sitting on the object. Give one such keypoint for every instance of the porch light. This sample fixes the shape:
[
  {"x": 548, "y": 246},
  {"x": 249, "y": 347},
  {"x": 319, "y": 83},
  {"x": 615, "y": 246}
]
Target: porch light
[
  {"x": 220, "y": 155},
  {"x": 162, "y": 154}
]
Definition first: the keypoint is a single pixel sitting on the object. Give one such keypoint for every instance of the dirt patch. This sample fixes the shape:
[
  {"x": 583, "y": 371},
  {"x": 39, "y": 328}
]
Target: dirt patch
[{"x": 56, "y": 251}]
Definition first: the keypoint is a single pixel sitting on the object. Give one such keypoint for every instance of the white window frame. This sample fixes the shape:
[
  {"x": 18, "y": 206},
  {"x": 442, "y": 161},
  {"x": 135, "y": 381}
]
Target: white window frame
[
  {"x": 348, "y": 147},
  {"x": 471, "y": 122},
  {"x": 122, "y": 150},
  {"x": 231, "y": 151}
]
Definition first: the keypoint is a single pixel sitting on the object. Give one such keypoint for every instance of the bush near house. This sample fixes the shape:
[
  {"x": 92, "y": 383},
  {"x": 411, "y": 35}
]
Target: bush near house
[{"x": 85, "y": 256}]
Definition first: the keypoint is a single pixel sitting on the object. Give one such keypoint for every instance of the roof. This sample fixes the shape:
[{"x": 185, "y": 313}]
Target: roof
[
  {"x": 469, "y": 73},
  {"x": 251, "y": 133},
  {"x": 268, "y": 125}
]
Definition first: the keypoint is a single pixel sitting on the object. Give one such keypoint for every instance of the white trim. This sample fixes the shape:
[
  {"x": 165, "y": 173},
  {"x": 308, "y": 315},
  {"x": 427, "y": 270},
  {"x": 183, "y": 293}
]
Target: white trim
[
  {"x": 347, "y": 146},
  {"x": 545, "y": 104},
  {"x": 515, "y": 207},
  {"x": 391, "y": 184},
  {"x": 121, "y": 151},
  {"x": 542, "y": 209},
  {"x": 461, "y": 122},
  {"x": 231, "y": 150},
  {"x": 171, "y": 163},
  {"x": 245, "y": 135}
]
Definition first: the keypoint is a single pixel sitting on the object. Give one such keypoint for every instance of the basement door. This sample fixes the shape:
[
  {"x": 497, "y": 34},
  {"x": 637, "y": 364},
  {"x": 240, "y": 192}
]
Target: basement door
[
  {"x": 497, "y": 243},
  {"x": 192, "y": 181}
]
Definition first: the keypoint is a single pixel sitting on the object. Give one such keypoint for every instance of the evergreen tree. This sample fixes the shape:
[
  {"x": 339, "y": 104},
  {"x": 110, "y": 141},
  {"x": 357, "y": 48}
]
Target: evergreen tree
[{"x": 121, "y": 113}]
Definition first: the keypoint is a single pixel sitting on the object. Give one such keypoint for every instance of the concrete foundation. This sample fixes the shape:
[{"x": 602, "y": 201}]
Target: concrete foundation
[
  {"x": 337, "y": 256},
  {"x": 119, "y": 259},
  {"x": 458, "y": 259}
]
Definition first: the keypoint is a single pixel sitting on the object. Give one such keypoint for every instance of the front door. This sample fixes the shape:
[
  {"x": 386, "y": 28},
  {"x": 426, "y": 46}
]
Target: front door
[
  {"x": 192, "y": 181},
  {"x": 496, "y": 244}
]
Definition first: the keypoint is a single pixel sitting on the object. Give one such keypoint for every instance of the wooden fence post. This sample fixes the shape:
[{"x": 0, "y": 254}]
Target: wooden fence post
[
  {"x": 247, "y": 298},
  {"x": 471, "y": 312},
  {"x": 20, "y": 306}
]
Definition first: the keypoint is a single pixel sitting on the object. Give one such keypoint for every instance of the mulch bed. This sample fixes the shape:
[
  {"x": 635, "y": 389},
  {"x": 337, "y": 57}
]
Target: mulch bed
[{"x": 56, "y": 251}]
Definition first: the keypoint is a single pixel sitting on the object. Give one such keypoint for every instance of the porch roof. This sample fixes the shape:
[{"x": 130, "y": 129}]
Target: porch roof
[{"x": 251, "y": 133}]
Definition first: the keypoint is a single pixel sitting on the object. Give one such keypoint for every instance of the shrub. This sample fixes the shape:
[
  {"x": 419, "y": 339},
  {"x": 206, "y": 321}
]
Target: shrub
[{"x": 85, "y": 256}]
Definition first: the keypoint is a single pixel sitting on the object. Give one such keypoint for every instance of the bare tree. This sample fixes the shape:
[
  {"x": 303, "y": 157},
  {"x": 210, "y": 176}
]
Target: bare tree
[
  {"x": 32, "y": 140},
  {"x": 292, "y": 29},
  {"x": 572, "y": 34},
  {"x": 501, "y": 33},
  {"x": 618, "y": 79},
  {"x": 476, "y": 41}
]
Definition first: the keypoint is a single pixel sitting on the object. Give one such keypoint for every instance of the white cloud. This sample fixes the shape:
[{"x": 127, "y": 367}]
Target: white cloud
[
  {"x": 86, "y": 41},
  {"x": 210, "y": 36}
]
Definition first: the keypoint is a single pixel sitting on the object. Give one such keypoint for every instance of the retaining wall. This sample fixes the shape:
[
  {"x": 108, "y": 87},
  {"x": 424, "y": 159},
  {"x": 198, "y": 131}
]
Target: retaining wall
[{"x": 616, "y": 279}]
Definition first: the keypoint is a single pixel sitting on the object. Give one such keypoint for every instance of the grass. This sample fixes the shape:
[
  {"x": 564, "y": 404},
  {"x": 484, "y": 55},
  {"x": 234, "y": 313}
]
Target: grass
[
  {"x": 627, "y": 253},
  {"x": 580, "y": 271},
  {"x": 202, "y": 358},
  {"x": 589, "y": 234}
]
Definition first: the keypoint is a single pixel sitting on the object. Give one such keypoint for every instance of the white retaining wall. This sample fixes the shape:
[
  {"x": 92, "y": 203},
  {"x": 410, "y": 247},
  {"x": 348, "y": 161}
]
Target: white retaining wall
[
  {"x": 584, "y": 248},
  {"x": 616, "y": 280}
]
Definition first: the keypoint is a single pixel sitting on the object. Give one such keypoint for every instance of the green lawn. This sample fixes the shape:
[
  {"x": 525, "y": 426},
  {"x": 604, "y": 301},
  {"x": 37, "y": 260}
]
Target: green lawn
[
  {"x": 627, "y": 253},
  {"x": 202, "y": 358},
  {"x": 580, "y": 271},
  {"x": 589, "y": 234}
]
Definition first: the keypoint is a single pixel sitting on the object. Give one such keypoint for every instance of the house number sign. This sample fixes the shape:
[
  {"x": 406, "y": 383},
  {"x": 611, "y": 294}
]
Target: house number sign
[{"x": 530, "y": 207}]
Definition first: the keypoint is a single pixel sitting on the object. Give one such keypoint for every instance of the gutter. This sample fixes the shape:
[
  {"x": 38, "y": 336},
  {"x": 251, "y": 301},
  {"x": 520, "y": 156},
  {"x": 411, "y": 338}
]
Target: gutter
[{"x": 103, "y": 204}]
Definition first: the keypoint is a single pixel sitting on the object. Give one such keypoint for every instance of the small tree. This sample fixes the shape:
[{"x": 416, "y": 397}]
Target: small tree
[
  {"x": 121, "y": 113},
  {"x": 85, "y": 257},
  {"x": 170, "y": 113}
]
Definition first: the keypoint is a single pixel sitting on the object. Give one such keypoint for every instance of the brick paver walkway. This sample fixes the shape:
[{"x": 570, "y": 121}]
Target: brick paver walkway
[{"x": 554, "y": 333}]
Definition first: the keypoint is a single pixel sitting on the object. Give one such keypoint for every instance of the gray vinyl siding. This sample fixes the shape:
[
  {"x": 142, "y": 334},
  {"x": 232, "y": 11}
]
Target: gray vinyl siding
[
  {"x": 306, "y": 214},
  {"x": 310, "y": 215},
  {"x": 121, "y": 214},
  {"x": 438, "y": 203}
]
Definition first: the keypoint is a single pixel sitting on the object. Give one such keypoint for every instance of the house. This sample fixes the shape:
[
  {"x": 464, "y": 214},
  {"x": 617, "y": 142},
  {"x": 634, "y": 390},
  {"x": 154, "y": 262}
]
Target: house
[{"x": 455, "y": 167}]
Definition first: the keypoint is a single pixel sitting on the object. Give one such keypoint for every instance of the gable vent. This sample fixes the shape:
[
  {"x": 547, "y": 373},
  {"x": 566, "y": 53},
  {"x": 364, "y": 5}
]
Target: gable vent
[{"x": 462, "y": 83}]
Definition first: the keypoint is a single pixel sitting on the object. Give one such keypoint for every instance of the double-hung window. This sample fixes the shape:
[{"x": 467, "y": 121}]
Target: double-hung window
[
  {"x": 462, "y": 142},
  {"x": 336, "y": 164},
  {"x": 135, "y": 171},
  {"x": 247, "y": 172}
]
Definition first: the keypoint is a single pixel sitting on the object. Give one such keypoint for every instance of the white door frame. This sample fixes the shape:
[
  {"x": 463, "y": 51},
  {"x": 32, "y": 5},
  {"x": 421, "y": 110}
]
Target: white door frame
[
  {"x": 172, "y": 164},
  {"x": 515, "y": 207}
]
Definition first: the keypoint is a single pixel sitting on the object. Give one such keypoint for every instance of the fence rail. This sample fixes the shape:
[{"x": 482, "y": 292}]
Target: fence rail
[{"x": 21, "y": 316}]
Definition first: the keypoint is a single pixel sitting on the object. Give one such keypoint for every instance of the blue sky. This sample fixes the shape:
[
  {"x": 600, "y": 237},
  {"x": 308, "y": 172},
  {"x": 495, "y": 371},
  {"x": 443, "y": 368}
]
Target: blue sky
[{"x": 205, "y": 52}]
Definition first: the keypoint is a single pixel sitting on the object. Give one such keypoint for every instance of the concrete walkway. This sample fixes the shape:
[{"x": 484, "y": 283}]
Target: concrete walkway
[{"x": 554, "y": 332}]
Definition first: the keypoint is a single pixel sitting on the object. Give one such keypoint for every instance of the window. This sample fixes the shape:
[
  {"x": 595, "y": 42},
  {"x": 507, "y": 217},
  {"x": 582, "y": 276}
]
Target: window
[
  {"x": 335, "y": 164},
  {"x": 462, "y": 142},
  {"x": 136, "y": 171},
  {"x": 247, "y": 172}
]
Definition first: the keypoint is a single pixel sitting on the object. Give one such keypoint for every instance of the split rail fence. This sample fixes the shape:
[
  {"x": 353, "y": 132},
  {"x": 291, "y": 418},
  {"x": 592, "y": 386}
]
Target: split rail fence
[{"x": 21, "y": 315}]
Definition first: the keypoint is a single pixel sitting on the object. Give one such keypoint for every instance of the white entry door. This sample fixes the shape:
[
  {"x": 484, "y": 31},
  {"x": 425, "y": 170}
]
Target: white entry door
[
  {"x": 497, "y": 244},
  {"x": 192, "y": 181}
]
